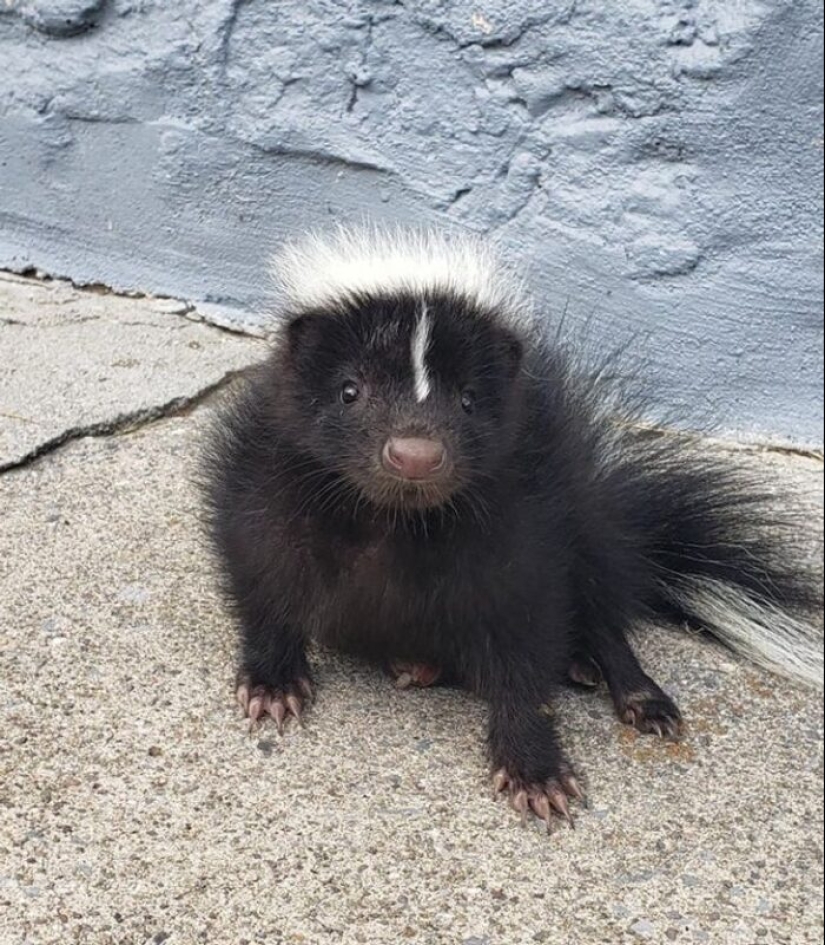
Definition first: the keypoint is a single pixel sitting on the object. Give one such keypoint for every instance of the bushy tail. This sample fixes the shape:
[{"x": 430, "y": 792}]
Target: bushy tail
[
  {"x": 755, "y": 626},
  {"x": 730, "y": 552}
]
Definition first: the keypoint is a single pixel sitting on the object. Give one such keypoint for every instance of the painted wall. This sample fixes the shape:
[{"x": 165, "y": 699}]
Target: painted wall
[{"x": 656, "y": 164}]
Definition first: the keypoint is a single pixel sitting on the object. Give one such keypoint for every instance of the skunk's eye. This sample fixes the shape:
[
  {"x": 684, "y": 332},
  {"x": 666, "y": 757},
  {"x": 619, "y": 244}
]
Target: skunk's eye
[
  {"x": 468, "y": 401},
  {"x": 350, "y": 393}
]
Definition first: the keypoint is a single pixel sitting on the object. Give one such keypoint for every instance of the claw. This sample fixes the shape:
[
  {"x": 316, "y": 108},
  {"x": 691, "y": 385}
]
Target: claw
[
  {"x": 675, "y": 729},
  {"x": 571, "y": 785},
  {"x": 558, "y": 799},
  {"x": 294, "y": 705},
  {"x": 256, "y": 708},
  {"x": 277, "y": 710},
  {"x": 521, "y": 804},
  {"x": 242, "y": 695},
  {"x": 306, "y": 689},
  {"x": 541, "y": 806},
  {"x": 404, "y": 681},
  {"x": 500, "y": 781}
]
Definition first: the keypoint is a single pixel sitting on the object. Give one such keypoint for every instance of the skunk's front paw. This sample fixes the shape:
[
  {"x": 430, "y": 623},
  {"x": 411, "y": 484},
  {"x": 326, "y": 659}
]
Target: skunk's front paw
[
  {"x": 548, "y": 800},
  {"x": 652, "y": 712},
  {"x": 279, "y": 703}
]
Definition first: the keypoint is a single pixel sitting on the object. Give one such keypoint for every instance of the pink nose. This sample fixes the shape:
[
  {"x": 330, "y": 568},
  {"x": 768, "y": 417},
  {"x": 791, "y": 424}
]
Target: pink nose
[{"x": 413, "y": 458}]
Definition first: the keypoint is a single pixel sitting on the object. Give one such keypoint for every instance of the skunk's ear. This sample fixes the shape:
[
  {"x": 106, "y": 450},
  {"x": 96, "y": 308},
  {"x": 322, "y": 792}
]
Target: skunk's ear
[
  {"x": 511, "y": 352},
  {"x": 304, "y": 333}
]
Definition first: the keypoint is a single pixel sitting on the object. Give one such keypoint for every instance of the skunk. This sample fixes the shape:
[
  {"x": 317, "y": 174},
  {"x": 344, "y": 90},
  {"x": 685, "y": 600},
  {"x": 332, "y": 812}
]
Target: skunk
[{"x": 421, "y": 476}]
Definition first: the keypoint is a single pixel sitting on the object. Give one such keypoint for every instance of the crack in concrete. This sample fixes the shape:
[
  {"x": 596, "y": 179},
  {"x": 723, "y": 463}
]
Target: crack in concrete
[
  {"x": 124, "y": 423},
  {"x": 67, "y": 323},
  {"x": 16, "y": 416},
  {"x": 153, "y": 324},
  {"x": 34, "y": 274},
  {"x": 188, "y": 309}
]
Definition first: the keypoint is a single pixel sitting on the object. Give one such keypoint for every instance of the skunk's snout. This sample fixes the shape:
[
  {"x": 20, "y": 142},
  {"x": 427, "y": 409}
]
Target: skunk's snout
[{"x": 412, "y": 458}]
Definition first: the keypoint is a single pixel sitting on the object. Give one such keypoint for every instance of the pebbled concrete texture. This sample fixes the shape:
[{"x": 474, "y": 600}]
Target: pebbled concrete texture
[
  {"x": 73, "y": 363},
  {"x": 656, "y": 166},
  {"x": 136, "y": 808}
]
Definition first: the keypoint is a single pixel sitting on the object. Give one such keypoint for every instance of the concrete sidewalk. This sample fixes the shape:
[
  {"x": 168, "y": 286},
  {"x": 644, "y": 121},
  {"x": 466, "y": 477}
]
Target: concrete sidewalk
[{"x": 135, "y": 807}]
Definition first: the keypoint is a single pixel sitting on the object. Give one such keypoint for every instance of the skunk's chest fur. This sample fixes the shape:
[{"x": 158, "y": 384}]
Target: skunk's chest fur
[{"x": 430, "y": 588}]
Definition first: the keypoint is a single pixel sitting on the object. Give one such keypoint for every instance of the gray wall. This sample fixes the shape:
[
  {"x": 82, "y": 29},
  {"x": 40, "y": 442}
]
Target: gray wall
[{"x": 657, "y": 164}]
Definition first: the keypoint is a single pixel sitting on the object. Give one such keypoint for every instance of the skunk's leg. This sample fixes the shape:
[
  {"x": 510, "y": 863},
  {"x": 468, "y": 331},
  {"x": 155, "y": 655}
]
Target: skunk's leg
[
  {"x": 528, "y": 760},
  {"x": 638, "y": 699},
  {"x": 274, "y": 678},
  {"x": 530, "y": 764}
]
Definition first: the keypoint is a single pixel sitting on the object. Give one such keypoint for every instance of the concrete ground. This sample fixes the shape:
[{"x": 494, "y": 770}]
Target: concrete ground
[{"x": 136, "y": 808}]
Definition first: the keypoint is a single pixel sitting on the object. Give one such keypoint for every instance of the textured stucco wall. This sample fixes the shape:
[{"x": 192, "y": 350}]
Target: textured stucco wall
[{"x": 657, "y": 164}]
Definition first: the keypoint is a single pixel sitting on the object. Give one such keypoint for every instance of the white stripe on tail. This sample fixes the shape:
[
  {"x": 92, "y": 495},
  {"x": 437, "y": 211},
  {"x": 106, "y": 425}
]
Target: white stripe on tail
[{"x": 763, "y": 633}]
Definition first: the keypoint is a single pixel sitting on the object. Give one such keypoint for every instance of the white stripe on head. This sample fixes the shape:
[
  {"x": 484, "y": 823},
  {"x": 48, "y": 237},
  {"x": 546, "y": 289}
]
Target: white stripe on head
[
  {"x": 420, "y": 345},
  {"x": 347, "y": 265}
]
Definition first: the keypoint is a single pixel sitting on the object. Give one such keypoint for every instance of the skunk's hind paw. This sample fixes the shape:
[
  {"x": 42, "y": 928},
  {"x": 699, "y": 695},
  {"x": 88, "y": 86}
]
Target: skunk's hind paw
[
  {"x": 414, "y": 675},
  {"x": 652, "y": 713}
]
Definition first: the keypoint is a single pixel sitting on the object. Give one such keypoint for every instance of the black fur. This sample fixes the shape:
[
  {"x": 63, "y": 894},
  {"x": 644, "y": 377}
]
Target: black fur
[{"x": 559, "y": 528}]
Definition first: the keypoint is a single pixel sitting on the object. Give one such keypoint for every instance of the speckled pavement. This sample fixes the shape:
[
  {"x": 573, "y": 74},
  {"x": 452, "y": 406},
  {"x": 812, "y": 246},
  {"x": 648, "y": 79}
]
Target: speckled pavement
[{"x": 136, "y": 808}]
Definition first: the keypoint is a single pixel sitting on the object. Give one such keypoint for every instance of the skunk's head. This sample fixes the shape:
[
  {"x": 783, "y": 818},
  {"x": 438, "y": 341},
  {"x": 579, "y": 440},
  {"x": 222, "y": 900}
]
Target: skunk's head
[{"x": 403, "y": 356}]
